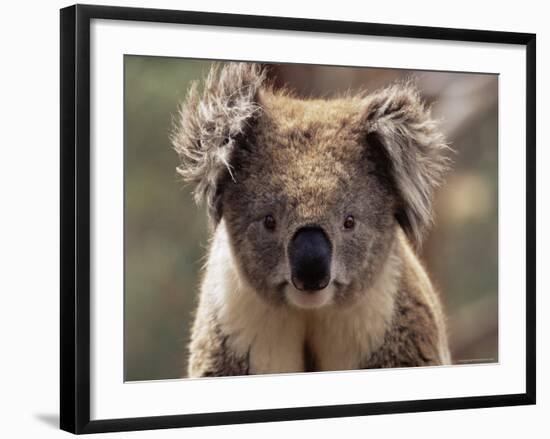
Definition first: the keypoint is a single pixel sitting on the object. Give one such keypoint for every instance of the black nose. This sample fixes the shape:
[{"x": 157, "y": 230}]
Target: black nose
[{"x": 309, "y": 253}]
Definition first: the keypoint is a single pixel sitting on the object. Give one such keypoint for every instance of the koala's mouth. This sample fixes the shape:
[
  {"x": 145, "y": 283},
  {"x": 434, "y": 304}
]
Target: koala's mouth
[{"x": 309, "y": 299}]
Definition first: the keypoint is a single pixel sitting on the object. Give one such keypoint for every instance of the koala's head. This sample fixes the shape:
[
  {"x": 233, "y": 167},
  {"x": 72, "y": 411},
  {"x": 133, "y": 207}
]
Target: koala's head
[{"x": 311, "y": 191}]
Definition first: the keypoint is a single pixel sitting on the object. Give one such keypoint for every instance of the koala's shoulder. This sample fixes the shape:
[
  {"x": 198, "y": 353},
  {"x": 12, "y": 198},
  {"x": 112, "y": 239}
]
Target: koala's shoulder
[
  {"x": 416, "y": 335},
  {"x": 209, "y": 351}
]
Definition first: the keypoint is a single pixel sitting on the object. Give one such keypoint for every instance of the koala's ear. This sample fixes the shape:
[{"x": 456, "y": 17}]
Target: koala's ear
[
  {"x": 399, "y": 122},
  {"x": 209, "y": 125}
]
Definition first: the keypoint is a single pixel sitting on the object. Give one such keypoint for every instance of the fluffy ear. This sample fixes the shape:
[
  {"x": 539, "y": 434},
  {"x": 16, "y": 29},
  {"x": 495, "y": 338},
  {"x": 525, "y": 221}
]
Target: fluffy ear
[
  {"x": 399, "y": 122},
  {"x": 209, "y": 125}
]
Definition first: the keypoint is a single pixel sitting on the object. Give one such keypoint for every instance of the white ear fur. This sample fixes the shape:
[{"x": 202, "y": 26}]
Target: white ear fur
[
  {"x": 208, "y": 124},
  {"x": 400, "y": 121}
]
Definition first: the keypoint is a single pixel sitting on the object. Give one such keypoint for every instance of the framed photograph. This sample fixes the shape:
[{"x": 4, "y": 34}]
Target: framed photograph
[{"x": 268, "y": 218}]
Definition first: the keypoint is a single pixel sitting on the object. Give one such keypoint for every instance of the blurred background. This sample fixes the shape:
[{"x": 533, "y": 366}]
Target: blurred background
[{"x": 166, "y": 234}]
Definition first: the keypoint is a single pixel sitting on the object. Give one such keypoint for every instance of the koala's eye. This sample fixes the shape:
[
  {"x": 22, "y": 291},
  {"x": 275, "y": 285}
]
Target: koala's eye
[
  {"x": 269, "y": 222},
  {"x": 349, "y": 222}
]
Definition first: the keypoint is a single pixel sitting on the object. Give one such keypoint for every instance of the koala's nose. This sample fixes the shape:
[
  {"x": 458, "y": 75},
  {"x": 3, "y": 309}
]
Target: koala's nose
[{"x": 309, "y": 255}]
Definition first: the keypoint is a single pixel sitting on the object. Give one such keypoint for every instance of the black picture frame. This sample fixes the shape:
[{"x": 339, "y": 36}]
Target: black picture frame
[{"x": 75, "y": 217}]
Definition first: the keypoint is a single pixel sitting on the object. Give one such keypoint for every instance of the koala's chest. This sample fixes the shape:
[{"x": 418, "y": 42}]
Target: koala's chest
[{"x": 283, "y": 343}]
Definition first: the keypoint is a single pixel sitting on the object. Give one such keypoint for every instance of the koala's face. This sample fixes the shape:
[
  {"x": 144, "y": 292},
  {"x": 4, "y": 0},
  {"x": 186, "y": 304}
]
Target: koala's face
[
  {"x": 311, "y": 191},
  {"x": 310, "y": 208}
]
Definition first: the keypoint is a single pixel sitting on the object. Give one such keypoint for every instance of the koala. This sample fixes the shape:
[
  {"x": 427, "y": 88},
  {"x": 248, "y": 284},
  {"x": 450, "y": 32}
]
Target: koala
[{"x": 317, "y": 208}]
